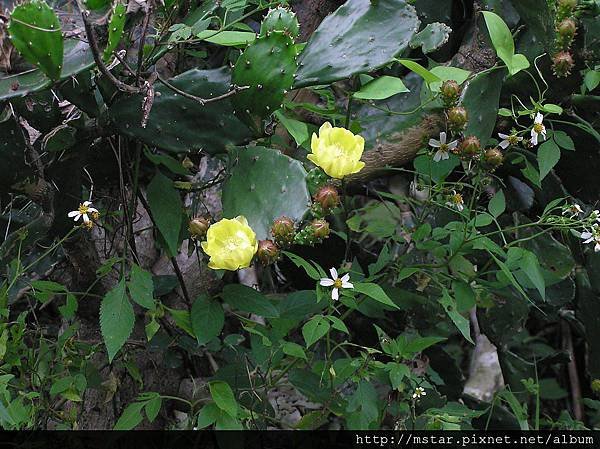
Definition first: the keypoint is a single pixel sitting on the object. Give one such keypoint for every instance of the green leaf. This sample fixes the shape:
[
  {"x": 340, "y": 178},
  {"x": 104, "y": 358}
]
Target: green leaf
[
  {"x": 167, "y": 209},
  {"x": 419, "y": 344},
  {"x": 503, "y": 43},
  {"x": 461, "y": 323},
  {"x": 398, "y": 371},
  {"x": 311, "y": 271},
  {"x": 294, "y": 350},
  {"x": 116, "y": 319},
  {"x": 315, "y": 329},
  {"x": 592, "y": 79},
  {"x": 413, "y": 66},
  {"x": 115, "y": 29},
  {"x": 208, "y": 415},
  {"x": 141, "y": 287},
  {"x": 375, "y": 292},
  {"x": 381, "y": 88},
  {"x": 249, "y": 300},
  {"x": 531, "y": 267},
  {"x": 152, "y": 407},
  {"x": 35, "y": 32},
  {"x": 563, "y": 140},
  {"x": 223, "y": 396},
  {"x": 131, "y": 417},
  {"x": 497, "y": 204},
  {"x": 207, "y": 319},
  {"x": 227, "y": 38},
  {"x": 297, "y": 129},
  {"x": 338, "y": 324},
  {"x": 182, "y": 320},
  {"x": 548, "y": 156},
  {"x": 552, "y": 108}
]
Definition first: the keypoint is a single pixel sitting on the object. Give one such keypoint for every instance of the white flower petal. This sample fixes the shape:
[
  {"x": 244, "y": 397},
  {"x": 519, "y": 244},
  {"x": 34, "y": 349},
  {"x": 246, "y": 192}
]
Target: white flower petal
[
  {"x": 77, "y": 217},
  {"x": 334, "y": 273},
  {"x": 453, "y": 144},
  {"x": 503, "y": 136},
  {"x": 86, "y": 219},
  {"x": 538, "y": 118},
  {"x": 87, "y": 203},
  {"x": 335, "y": 294},
  {"x": 504, "y": 144},
  {"x": 586, "y": 235},
  {"x": 434, "y": 143},
  {"x": 326, "y": 282},
  {"x": 73, "y": 213},
  {"x": 534, "y": 138},
  {"x": 445, "y": 155},
  {"x": 597, "y": 247},
  {"x": 346, "y": 277},
  {"x": 92, "y": 209},
  {"x": 347, "y": 285},
  {"x": 443, "y": 137}
]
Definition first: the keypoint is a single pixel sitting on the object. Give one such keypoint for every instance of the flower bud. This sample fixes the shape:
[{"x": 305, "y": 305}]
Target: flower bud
[
  {"x": 450, "y": 92},
  {"x": 283, "y": 231},
  {"x": 469, "y": 147},
  {"x": 493, "y": 158},
  {"x": 562, "y": 63},
  {"x": 187, "y": 163},
  {"x": 320, "y": 228},
  {"x": 198, "y": 227},
  {"x": 457, "y": 118},
  {"x": 566, "y": 32},
  {"x": 267, "y": 252},
  {"x": 327, "y": 196},
  {"x": 565, "y": 8}
]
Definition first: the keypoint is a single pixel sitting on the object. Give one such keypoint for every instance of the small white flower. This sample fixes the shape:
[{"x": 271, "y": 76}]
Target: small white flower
[
  {"x": 336, "y": 282},
  {"x": 419, "y": 391},
  {"x": 537, "y": 129},
  {"x": 573, "y": 210},
  {"x": 444, "y": 148},
  {"x": 592, "y": 236},
  {"x": 507, "y": 140},
  {"x": 456, "y": 201},
  {"x": 84, "y": 211}
]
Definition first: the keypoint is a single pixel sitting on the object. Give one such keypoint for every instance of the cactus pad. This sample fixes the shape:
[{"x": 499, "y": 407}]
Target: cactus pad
[
  {"x": 359, "y": 37},
  {"x": 35, "y": 32},
  {"x": 267, "y": 66},
  {"x": 280, "y": 19},
  {"x": 432, "y": 37},
  {"x": 115, "y": 29},
  {"x": 178, "y": 124},
  {"x": 264, "y": 185}
]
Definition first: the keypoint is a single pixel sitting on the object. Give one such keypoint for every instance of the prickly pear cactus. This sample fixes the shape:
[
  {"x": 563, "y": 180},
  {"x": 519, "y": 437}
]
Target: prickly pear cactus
[
  {"x": 265, "y": 185},
  {"x": 115, "y": 29},
  {"x": 432, "y": 37},
  {"x": 179, "y": 124},
  {"x": 35, "y": 32},
  {"x": 77, "y": 58},
  {"x": 280, "y": 19},
  {"x": 359, "y": 37},
  {"x": 268, "y": 66}
]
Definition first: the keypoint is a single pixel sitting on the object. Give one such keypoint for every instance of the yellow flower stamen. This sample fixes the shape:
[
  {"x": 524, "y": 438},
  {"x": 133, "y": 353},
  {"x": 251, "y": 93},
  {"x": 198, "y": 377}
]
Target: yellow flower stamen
[
  {"x": 538, "y": 128},
  {"x": 337, "y": 283}
]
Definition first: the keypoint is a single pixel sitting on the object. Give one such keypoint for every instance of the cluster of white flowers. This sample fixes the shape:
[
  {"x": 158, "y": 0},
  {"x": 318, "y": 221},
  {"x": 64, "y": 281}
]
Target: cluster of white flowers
[{"x": 593, "y": 234}]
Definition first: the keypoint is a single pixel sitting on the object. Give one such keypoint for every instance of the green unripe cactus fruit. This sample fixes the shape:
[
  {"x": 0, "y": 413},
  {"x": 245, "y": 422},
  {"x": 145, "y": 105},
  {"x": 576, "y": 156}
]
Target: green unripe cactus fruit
[{"x": 280, "y": 19}]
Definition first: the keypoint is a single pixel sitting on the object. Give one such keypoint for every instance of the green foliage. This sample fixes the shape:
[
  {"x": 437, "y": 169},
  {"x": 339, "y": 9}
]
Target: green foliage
[
  {"x": 280, "y": 19},
  {"x": 359, "y": 37},
  {"x": 166, "y": 208},
  {"x": 264, "y": 185},
  {"x": 116, "y": 319},
  {"x": 116, "y": 26},
  {"x": 35, "y": 32},
  {"x": 504, "y": 44}
]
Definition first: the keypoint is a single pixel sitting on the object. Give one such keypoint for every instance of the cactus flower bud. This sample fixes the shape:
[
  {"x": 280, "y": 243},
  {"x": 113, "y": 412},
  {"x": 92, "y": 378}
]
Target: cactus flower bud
[
  {"x": 566, "y": 32},
  {"x": 450, "y": 92},
  {"x": 328, "y": 197},
  {"x": 198, "y": 227},
  {"x": 457, "y": 118},
  {"x": 267, "y": 252},
  {"x": 283, "y": 231},
  {"x": 565, "y": 8},
  {"x": 469, "y": 147},
  {"x": 320, "y": 228},
  {"x": 562, "y": 63},
  {"x": 493, "y": 158}
]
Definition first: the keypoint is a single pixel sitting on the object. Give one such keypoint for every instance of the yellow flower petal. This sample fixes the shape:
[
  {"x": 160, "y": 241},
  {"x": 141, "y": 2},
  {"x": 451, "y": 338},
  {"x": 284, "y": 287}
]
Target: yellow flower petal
[
  {"x": 337, "y": 151},
  {"x": 230, "y": 244}
]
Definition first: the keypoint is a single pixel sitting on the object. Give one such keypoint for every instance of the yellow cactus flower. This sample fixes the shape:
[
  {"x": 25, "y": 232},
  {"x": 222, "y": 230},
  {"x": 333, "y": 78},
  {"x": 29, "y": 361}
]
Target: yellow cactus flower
[
  {"x": 231, "y": 244},
  {"x": 337, "y": 151}
]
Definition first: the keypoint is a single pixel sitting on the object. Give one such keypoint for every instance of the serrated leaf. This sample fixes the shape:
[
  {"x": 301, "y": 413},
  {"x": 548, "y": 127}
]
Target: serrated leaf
[
  {"x": 381, "y": 88},
  {"x": 548, "y": 156},
  {"x": 223, "y": 396},
  {"x": 166, "y": 207},
  {"x": 35, "y": 32},
  {"x": 207, "y": 319},
  {"x": 461, "y": 323},
  {"x": 116, "y": 319},
  {"x": 131, "y": 417},
  {"x": 208, "y": 415},
  {"x": 315, "y": 329},
  {"x": 497, "y": 204},
  {"x": 249, "y": 300},
  {"x": 141, "y": 287},
  {"x": 375, "y": 292}
]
